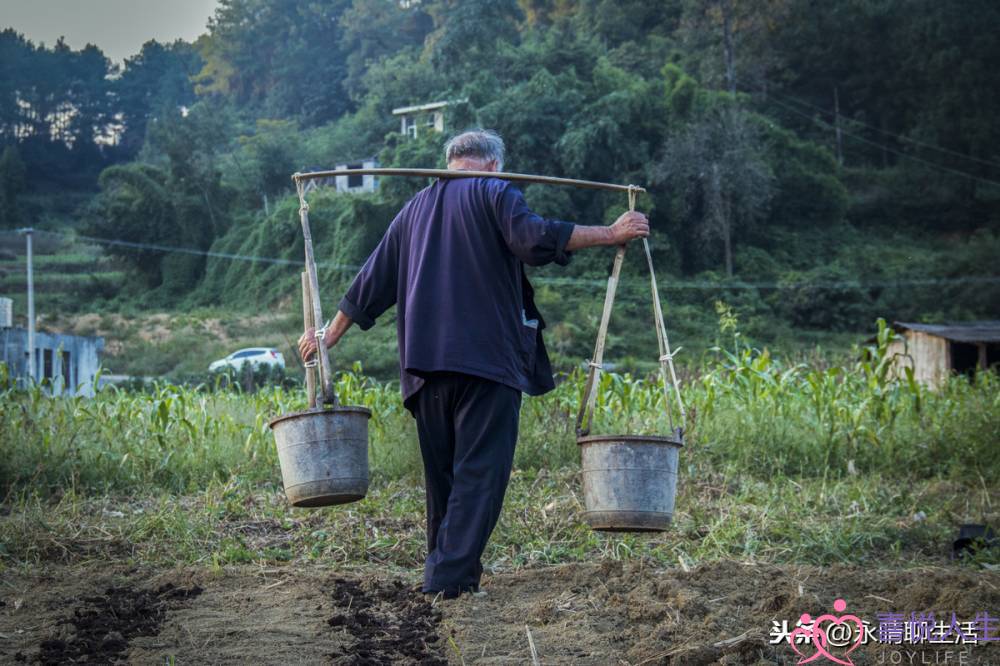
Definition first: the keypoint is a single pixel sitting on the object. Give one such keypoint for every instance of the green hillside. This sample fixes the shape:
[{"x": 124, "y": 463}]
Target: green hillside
[{"x": 810, "y": 169}]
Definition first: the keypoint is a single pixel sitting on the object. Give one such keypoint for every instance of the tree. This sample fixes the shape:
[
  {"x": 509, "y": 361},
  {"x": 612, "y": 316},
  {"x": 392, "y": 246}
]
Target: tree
[
  {"x": 266, "y": 159},
  {"x": 156, "y": 81},
  {"x": 190, "y": 145},
  {"x": 12, "y": 183},
  {"x": 135, "y": 205},
  {"x": 378, "y": 29},
  {"x": 281, "y": 58},
  {"x": 726, "y": 41},
  {"x": 466, "y": 33},
  {"x": 717, "y": 167}
]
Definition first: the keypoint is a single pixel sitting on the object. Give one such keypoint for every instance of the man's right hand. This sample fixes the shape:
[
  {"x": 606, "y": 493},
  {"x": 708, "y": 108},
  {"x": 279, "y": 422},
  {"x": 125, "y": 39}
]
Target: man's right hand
[{"x": 629, "y": 226}]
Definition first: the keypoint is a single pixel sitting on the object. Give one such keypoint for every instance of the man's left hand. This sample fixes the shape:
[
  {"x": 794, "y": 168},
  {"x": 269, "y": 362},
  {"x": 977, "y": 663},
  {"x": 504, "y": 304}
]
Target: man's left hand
[{"x": 307, "y": 344}]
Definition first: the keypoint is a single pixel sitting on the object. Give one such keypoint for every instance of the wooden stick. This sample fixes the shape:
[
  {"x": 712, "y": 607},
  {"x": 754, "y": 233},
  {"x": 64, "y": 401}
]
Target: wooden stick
[
  {"x": 531, "y": 644},
  {"x": 325, "y": 377},
  {"x": 589, "y": 399},
  {"x": 307, "y": 319},
  {"x": 446, "y": 173}
]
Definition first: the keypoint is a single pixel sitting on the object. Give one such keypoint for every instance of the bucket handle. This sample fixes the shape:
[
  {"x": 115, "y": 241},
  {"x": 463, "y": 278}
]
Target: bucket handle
[{"x": 585, "y": 416}]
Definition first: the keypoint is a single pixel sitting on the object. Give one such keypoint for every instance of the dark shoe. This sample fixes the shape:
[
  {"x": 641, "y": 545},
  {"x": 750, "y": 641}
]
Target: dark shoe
[{"x": 453, "y": 592}]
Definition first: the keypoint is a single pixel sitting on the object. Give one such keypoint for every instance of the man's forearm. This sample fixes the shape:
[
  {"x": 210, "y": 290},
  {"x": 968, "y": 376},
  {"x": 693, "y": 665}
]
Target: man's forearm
[
  {"x": 585, "y": 236},
  {"x": 336, "y": 328}
]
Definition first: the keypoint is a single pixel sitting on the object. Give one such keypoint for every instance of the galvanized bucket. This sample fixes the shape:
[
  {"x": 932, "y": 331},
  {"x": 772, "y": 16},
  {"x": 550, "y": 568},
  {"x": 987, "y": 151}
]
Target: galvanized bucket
[
  {"x": 323, "y": 455},
  {"x": 629, "y": 481}
]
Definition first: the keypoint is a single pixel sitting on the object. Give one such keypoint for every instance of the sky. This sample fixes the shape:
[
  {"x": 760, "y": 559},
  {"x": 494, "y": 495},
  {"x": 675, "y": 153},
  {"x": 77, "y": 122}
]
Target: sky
[{"x": 118, "y": 27}]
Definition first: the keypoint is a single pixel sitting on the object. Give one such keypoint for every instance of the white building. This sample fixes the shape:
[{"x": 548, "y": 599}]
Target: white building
[
  {"x": 423, "y": 117},
  {"x": 67, "y": 364},
  {"x": 357, "y": 182}
]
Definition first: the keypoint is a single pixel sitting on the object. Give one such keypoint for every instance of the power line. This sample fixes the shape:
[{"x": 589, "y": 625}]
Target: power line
[
  {"x": 204, "y": 253},
  {"x": 934, "y": 165},
  {"x": 797, "y": 100},
  {"x": 739, "y": 285},
  {"x": 599, "y": 283}
]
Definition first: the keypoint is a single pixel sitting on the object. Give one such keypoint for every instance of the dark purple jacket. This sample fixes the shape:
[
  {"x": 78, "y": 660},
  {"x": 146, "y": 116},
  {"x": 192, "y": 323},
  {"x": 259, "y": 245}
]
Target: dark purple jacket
[{"x": 452, "y": 261}]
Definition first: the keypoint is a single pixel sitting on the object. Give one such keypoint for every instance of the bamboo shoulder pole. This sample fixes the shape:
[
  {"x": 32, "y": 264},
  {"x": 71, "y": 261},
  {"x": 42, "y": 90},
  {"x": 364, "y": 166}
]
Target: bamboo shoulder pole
[{"x": 299, "y": 178}]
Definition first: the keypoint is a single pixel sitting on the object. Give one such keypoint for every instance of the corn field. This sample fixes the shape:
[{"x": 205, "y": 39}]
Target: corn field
[{"x": 747, "y": 411}]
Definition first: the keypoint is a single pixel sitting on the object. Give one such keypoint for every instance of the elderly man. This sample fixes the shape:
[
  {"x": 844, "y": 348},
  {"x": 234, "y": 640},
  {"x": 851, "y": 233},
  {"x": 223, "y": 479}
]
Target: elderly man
[{"x": 470, "y": 341}]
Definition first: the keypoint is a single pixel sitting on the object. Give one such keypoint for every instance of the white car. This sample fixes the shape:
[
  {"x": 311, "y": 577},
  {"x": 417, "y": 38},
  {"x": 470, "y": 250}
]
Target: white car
[{"x": 255, "y": 356}]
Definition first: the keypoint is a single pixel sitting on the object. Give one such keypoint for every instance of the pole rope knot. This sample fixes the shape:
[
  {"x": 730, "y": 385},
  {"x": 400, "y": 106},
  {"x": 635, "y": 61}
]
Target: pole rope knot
[{"x": 670, "y": 355}]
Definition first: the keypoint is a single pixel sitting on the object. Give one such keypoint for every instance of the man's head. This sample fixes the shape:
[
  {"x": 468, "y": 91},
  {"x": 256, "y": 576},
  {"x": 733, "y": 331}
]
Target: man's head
[{"x": 475, "y": 150}]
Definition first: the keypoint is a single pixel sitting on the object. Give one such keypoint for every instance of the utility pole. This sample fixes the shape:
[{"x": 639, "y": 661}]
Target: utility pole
[{"x": 32, "y": 364}]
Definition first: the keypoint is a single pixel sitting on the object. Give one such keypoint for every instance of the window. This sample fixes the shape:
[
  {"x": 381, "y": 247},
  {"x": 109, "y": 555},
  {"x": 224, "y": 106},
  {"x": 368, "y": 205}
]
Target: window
[
  {"x": 355, "y": 179},
  {"x": 47, "y": 360},
  {"x": 66, "y": 374},
  {"x": 244, "y": 354}
]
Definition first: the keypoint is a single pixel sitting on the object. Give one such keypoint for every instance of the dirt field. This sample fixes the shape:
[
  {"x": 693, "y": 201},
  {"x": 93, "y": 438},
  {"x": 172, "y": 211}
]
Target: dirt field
[{"x": 603, "y": 613}]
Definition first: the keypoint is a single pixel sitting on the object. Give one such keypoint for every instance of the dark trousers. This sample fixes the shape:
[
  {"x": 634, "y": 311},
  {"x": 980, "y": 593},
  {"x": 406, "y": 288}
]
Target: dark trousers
[{"x": 467, "y": 428}]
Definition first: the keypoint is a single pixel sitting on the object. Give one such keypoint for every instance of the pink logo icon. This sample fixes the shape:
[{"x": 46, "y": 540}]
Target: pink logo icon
[{"x": 818, "y": 635}]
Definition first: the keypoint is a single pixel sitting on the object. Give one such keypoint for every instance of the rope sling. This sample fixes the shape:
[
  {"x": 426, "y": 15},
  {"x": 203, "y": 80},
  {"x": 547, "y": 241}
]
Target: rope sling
[
  {"x": 313, "y": 311},
  {"x": 584, "y": 418}
]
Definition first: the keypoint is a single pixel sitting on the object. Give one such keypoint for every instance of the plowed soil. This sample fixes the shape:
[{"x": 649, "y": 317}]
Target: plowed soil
[{"x": 600, "y": 613}]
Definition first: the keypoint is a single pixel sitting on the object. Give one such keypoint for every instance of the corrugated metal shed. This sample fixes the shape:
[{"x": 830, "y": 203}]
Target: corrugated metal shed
[{"x": 969, "y": 331}]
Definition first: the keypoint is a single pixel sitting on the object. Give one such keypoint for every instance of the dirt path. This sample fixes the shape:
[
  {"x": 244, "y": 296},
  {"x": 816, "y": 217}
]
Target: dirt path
[{"x": 602, "y": 613}]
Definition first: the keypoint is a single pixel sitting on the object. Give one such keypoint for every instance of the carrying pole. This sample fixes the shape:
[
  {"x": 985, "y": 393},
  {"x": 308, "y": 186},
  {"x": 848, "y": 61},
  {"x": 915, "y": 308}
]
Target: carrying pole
[{"x": 300, "y": 178}]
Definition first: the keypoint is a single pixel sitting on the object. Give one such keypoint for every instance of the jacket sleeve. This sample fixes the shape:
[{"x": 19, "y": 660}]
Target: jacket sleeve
[
  {"x": 375, "y": 287},
  {"x": 531, "y": 238}
]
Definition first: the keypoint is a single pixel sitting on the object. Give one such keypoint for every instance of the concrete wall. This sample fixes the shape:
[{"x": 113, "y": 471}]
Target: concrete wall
[{"x": 52, "y": 351}]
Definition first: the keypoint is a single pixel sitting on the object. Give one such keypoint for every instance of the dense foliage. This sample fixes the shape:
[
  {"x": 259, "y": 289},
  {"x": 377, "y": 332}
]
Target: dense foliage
[{"x": 839, "y": 157}]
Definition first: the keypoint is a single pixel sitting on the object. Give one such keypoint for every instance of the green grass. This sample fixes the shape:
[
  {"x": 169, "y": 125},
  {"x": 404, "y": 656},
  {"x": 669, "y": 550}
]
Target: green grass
[
  {"x": 782, "y": 462},
  {"x": 861, "y": 520}
]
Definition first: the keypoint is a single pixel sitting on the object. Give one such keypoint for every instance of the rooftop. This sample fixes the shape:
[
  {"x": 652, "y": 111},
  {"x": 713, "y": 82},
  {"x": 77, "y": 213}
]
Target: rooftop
[
  {"x": 964, "y": 331},
  {"x": 430, "y": 106}
]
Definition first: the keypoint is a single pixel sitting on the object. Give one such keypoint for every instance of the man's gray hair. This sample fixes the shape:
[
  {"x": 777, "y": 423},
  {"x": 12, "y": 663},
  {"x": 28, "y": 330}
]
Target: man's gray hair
[{"x": 478, "y": 144}]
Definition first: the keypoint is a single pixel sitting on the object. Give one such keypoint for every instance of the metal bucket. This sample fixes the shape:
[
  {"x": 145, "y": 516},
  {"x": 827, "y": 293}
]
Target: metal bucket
[
  {"x": 323, "y": 455},
  {"x": 629, "y": 481}
]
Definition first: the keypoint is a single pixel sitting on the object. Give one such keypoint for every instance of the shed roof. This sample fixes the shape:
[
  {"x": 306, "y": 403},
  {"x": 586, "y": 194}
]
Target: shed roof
[{"x": 966, "y": 331}]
